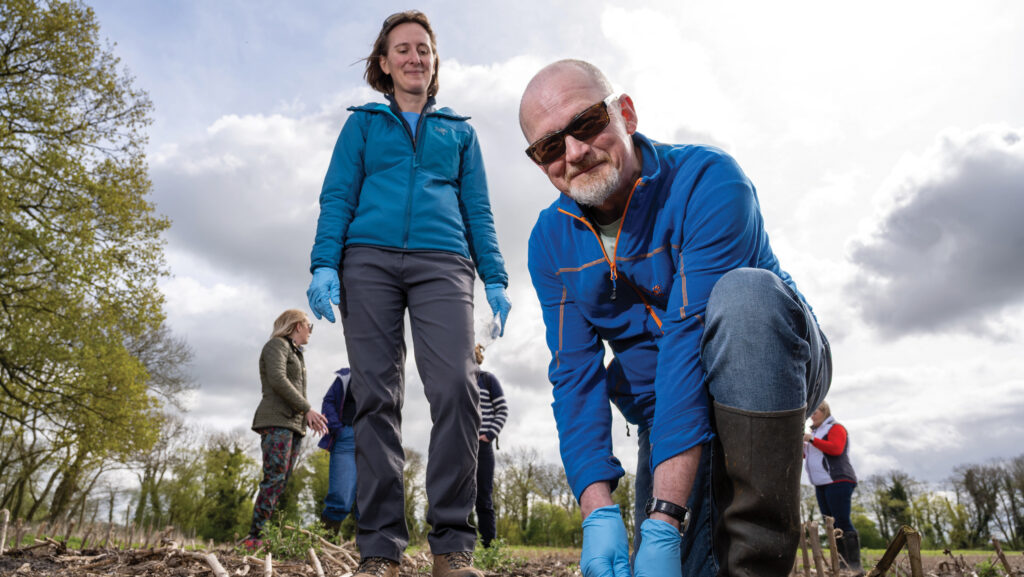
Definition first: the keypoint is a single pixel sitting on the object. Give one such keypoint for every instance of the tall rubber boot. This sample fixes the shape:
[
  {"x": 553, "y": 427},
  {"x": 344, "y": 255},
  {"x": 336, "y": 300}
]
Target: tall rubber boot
[
  {"x": 756, "y": 482},
  {"x": 851, "y": 552}
]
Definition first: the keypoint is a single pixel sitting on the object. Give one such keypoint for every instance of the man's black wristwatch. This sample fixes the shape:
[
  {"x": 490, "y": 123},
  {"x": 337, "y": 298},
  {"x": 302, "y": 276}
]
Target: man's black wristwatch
[{"x": 681, "y": 514}]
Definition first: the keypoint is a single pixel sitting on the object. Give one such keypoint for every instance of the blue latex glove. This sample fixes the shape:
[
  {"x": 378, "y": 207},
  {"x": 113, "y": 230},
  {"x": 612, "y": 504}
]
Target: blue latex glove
[
  {"x": 605, "y": 545},
  {"x": 324, "y": 289},
  {"x": 659, "y": 550},
  {"x": 497, "y": 297}
]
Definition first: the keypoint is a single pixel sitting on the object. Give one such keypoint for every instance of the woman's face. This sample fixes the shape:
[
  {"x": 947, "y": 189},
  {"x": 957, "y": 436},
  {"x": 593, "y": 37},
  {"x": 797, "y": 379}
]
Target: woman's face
[
  {"x": 817, "y": 418},
  {"x": 300, "y": 334},
  {"x": 410, "y": 60}
]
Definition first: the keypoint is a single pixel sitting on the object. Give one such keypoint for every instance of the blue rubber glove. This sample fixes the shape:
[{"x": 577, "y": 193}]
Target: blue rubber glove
[
  {"x": 659, "y": 550},
  {"x": 324, "y": 289},
  {"x": 605, "y": 545},
  {"x": 497, "y": 297}
]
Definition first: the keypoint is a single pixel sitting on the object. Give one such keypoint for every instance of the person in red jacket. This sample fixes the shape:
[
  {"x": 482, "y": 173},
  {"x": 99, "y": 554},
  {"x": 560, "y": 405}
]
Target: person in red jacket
[{"x": 827, "y": 453}]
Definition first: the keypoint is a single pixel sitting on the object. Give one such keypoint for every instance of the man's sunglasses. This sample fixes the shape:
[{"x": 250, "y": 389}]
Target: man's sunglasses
[{"x": 583, "y": 126}]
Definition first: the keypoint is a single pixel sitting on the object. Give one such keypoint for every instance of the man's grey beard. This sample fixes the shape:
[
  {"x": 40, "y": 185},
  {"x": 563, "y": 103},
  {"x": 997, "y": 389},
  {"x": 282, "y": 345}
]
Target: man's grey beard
[{"x": 596, "y": 190}]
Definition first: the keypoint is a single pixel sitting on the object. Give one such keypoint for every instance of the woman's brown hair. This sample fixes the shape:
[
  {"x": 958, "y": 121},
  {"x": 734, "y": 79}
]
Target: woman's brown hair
[{"x": 374, "y": 76}]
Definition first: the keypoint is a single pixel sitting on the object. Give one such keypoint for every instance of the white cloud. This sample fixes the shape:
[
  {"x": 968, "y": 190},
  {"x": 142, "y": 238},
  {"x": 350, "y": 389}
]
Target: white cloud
[
  {"x": 945, "y": 253},
  {"x": 816, "y": 101}
]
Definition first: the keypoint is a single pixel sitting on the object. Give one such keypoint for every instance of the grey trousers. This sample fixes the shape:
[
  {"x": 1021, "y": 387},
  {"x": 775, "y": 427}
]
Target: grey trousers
[{"x": 378, "y": 285}]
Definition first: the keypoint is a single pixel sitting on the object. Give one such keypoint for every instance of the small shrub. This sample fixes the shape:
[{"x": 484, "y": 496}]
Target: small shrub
[
  {"x": 986, "y": 569},
  {"x": 289, "y": 543},
  {"x": 497, "y": 557}
]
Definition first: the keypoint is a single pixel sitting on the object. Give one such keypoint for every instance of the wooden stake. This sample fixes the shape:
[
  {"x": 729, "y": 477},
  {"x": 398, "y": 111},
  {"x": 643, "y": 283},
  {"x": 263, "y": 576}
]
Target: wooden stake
[
  {"x": 995, "y": 543},
  {"x": 803, "y": 547},
  {"x": 19, "y": 533},
  {"x": 914, "y": 552},
  {"x": 315, "y": 562},
  {"x": 106, "y": 540},
  {"x": 3, "y": 532},
  {"x": 830, "y": 532},
  {"x": 893, "y": 550},
  {"x": 268, "y": 566},
  {"x": 819, "y": 560}
]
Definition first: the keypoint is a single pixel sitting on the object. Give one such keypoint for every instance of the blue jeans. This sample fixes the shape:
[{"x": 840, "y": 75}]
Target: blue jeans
[
  {"x": 341, "y": 484},
  {"x": 762, "y": 351},
  {"x": 834, "y": 500}
]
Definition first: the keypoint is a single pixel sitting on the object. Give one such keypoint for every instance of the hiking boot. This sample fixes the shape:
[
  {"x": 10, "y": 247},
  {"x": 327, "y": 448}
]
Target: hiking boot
[
  {"x": 377, "y": 567},
  {"x": 457, "y": 564}
]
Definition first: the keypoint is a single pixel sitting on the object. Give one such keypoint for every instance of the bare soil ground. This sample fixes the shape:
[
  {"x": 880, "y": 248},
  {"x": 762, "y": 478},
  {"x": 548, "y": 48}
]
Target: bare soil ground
[{"x": 52, "y": 559}]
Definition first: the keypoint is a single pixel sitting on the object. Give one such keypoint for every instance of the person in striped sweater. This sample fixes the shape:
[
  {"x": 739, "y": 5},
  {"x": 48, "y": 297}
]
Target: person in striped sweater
[{"x": 493, "y": 413}]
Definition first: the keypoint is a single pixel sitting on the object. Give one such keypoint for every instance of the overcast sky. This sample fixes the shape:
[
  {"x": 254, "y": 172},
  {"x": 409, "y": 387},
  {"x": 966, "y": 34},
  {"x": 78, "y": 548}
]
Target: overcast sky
[{"x": 886, "y": 141}]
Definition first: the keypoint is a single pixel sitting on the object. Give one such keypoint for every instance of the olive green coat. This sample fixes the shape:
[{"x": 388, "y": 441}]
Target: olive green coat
[{"x": 283, "y": 375}]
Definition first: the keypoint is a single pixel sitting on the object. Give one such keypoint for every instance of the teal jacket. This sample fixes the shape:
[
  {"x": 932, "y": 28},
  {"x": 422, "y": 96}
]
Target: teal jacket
[{"x": 385, "y": 189}]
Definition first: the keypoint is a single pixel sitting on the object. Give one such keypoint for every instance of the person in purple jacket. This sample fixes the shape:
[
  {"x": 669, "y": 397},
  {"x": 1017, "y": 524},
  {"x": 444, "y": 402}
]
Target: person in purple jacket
[
  {"x": 340, "y": 409},
  {"x": 659, "y": 252}
]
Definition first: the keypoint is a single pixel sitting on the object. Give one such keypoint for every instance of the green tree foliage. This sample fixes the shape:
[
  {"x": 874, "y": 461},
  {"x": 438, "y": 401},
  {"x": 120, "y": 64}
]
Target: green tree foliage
[
  {"x": 870, "y": 538},
  {"x": 229, "y": 484},
  {"x": 81, "y": 255},
  {"x": 977, "y": 489},
  {"x": 415, "y": 495}
]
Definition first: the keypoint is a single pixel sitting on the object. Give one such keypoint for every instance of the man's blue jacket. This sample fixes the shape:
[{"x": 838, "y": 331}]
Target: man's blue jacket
[
  {"x": 691, "y": 217},
  {"x": 385, "y": 189}
]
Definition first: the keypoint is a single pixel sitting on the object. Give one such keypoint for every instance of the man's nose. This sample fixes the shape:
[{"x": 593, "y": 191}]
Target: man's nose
[{"x": 575, "y": 150}]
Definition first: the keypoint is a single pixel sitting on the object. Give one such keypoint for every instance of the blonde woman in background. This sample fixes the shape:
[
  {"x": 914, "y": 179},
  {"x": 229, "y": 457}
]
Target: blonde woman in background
[{"x": 283, "y": 413}]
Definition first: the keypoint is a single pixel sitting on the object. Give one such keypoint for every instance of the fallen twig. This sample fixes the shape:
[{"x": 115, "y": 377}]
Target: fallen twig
[
  {"x": 315, "y": 562},
  {"x": 210, "y": 559}
]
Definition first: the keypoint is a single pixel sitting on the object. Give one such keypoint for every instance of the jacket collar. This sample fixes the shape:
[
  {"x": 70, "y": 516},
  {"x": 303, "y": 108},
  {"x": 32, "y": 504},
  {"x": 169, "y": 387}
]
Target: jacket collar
[
  {"x": 393, "y": 105},
  {"x": 294, "y": 346},
  {"x": 393, "y": 110}
]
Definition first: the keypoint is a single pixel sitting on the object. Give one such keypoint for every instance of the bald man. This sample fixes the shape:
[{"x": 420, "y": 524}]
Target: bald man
[{"x": 660, "y": 252}]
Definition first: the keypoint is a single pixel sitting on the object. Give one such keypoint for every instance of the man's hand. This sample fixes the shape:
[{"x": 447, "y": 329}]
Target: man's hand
[
  {"x": 316, "y": 421},
  {"x": 659, "y": 550},
  {"x": 324, "y": 289},
  {"x": 484, "y": 439},
  {"x": 497, "y": 297},
  {"x": 605, "y": 545}
]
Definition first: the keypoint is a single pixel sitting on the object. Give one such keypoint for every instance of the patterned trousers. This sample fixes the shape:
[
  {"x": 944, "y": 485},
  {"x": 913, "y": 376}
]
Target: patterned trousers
[{"x": 280, "y": 448}]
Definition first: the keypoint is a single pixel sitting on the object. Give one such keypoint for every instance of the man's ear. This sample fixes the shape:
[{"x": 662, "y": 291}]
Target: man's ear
[{"x": 628, "y": 113}]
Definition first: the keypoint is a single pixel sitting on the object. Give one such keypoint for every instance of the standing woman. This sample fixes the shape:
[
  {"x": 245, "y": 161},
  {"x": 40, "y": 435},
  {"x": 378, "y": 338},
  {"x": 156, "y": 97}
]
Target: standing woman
[
  {"x": 827, "y": 451},
  {"x": 404, "y": 218},
  {"x": 283, "y": 413}
]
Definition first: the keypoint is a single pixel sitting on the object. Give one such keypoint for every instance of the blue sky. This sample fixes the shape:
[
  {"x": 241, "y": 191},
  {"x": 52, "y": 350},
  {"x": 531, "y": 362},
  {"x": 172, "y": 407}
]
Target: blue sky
[{"x": 885, "y": 141}]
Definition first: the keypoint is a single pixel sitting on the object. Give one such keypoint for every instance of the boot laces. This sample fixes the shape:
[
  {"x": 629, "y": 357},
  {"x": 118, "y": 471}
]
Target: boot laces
[
  {"x": 459, "y": 559},
  {"x": 376, "y": 566}
]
